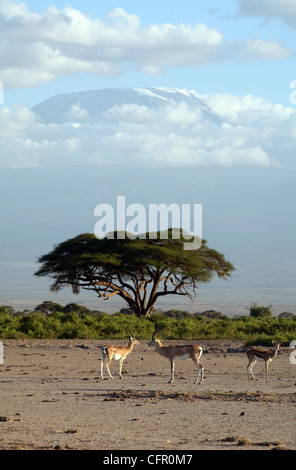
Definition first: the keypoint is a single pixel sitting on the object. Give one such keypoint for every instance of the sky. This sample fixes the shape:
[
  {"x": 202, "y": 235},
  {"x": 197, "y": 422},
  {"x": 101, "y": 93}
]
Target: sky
[
  {"x": 212, "y": 46},
  {"x": 237, "y": 56}
]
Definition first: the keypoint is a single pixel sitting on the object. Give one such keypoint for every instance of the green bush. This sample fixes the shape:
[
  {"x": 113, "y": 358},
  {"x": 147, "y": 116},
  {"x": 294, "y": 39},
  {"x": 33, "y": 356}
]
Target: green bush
[
  {"x": 260, "y": 310},
  {"x": 82, "y": 323}
]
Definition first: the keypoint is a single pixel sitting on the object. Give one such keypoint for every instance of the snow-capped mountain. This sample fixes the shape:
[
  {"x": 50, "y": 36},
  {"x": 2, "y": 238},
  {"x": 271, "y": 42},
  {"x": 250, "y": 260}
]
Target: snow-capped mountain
[
  {"x": 92, "y": 104},
  {"x": 152, "y": 145}
]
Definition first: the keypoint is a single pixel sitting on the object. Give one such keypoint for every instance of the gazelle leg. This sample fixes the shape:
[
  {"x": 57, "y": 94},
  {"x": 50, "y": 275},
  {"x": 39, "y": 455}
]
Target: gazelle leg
[
  {"x": 200, "y": 371},
  {"x": 102, "y": 363},
  {"x": 250, "y": 369},
  {"x": 120, "y": 367},
  {"x": 109, "y": 372},
  {"x": 104, "y": 358},
  {"x": 107, "y": 367},
  {"x": 172, "y": 372}
]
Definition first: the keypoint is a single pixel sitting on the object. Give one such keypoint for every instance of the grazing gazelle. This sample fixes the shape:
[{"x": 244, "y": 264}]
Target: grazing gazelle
[
  {"x": 256, "y": 354},
  {"x": 118, "y": 353},
  {"x": 173, "y": 353}
]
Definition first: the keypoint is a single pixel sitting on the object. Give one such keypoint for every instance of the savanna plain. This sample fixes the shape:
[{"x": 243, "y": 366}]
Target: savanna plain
[{"x": 53, "y": 397}]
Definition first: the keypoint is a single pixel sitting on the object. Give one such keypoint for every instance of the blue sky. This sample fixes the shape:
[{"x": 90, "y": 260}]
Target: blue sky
[
  {"x": 253, "y": 51},
  {"x": 238, "y": 56}
]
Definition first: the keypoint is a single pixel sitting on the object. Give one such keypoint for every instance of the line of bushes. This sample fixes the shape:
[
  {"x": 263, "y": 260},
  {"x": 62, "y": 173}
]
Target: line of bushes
[{"x": 85, "y": 324}]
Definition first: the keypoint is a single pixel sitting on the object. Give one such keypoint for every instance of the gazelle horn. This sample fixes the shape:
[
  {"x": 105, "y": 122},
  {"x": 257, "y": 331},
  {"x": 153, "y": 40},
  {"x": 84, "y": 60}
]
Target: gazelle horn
[{"x": 156, "y": 332}]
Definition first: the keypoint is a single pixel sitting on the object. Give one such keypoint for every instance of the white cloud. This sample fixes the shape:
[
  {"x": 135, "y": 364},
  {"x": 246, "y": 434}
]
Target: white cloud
[
  {"x": 36, "y": 48},
  {"x": 253, "y": 132},
  {"x": 76, "y": 113},
  {"x": 246, "y": 109},
  {"x": 261, "y": 49}
]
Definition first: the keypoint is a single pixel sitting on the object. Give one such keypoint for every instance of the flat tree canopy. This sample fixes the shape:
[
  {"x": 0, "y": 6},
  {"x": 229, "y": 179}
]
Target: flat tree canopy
[{"x": 138, "y": 270}]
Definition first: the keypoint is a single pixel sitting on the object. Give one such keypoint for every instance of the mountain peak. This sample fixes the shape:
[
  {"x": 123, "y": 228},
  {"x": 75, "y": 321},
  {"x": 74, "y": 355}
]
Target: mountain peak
[{"x": 94, "y": 103}]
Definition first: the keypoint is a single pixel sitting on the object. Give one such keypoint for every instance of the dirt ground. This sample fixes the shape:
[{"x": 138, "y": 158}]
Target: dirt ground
[{"x": 52, "y": 397}]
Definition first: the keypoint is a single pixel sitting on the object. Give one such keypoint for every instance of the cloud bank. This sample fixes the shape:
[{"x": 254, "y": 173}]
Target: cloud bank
[
  {"x": 251, "y": 131},
  {"x": 37, "y": 48}
]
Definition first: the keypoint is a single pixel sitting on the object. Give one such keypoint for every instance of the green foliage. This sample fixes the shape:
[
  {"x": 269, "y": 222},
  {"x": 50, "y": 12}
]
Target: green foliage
[
  {"x": 4, "y": 310},
  {"x": 137, "y": 270},
  {"x": 83, "y": 323},
  {"x": 48, "y": 307},
  {"x": 260, "y": 310}
]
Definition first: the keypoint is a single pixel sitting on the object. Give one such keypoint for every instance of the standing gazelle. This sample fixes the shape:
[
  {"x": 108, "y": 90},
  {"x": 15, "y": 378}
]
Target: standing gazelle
[
  {"x": 173, "y": 353},
  {"x": 118, "y": 353},
  {"x": 256, "y": 354}
]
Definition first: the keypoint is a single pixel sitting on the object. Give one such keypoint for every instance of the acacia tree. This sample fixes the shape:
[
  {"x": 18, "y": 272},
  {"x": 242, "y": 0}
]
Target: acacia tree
[{"x": 140, "y": 271}]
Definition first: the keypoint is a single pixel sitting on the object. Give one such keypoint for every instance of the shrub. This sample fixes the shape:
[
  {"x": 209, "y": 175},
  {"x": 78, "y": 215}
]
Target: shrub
[
  {"x": 74, "y": 324},
  {"x": 260, "y": 311}
]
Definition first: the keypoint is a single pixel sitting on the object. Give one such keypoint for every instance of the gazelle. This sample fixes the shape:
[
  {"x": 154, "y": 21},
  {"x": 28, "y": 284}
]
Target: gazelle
[
  {"x": 173, "y": 353},
  {"x": 256, "y": 354},
  {"x": 118, "y": 353}
]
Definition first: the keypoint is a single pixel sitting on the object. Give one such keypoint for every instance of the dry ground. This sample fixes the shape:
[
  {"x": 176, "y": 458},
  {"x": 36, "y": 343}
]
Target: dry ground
[{"x": 52, "y": 396}]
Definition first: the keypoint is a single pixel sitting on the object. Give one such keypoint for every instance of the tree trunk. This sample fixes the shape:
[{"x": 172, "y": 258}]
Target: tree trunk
[{"x": 144, "y": 313}]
